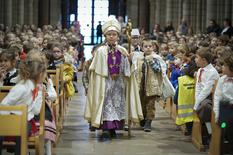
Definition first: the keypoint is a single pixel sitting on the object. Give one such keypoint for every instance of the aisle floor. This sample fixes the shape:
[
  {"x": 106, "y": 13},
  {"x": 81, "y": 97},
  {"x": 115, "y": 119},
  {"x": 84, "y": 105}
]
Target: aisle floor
[
  {"x": 76, "y": 139},
  {"x": 164, "y": 139}
]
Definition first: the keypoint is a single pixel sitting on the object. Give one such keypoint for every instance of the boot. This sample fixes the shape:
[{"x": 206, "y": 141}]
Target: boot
[
  {"x": 91, "y": 128},
  {"x": 147, "y": 127},
  {"x": 126, "y": 127},
  {"x": 105, "y": 135},
  {"x": 75, "y": 86},
  {"x": 142, "y": 123},
  {"x": 112, "y": 133}
]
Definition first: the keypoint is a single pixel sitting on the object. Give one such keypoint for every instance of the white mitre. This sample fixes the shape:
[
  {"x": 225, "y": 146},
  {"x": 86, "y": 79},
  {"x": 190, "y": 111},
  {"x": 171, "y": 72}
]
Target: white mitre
[{"x": 111, "y": 24}]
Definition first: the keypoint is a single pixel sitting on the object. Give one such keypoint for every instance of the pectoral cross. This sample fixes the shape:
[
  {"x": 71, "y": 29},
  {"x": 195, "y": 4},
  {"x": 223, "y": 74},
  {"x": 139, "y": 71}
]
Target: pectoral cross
[{"x": 114, "y": 59}]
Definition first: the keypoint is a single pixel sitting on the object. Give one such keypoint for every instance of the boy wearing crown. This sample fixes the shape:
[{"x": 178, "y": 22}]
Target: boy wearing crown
[{"x": 112, "y": 87}]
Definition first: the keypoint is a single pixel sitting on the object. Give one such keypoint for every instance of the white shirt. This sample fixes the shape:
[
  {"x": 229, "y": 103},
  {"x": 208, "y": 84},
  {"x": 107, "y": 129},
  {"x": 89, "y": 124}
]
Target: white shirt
[
  {"x": 21, "y": 93},
  {"x": 225, "y": 29},
  {"x": 204, "y": 87},
  {"x": 13, "y": 80},
  {"x": 223, "y": 92},
  {"x": 11, "y": 72},
  {"x": 52, "y": 94}
]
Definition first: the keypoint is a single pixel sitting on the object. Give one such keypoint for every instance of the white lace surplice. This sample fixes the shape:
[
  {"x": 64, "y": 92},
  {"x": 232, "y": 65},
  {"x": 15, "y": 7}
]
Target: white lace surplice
[{"x": 114, "y": 102}]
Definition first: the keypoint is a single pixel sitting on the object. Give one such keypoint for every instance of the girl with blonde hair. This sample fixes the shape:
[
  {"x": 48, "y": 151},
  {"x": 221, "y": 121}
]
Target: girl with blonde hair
[{"x": 29, "y": 90}]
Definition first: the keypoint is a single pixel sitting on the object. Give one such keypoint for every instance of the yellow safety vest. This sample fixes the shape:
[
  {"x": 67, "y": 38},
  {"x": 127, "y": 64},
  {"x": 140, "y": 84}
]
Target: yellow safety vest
[{"x": 186, "y": 100}]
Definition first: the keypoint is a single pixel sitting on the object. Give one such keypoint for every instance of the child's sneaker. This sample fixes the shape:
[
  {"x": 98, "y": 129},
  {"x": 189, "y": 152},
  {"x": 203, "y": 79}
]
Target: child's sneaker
[
  {"x": 142, "y": 123},
  {"x": 126, "y": 127},
  {"x": 147, "y": 127}
]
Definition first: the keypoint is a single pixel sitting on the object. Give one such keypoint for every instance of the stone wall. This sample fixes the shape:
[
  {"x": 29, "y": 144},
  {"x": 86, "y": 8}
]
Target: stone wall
[
  {"x": 196, "y": 12},
  {"x": 143, "y": 13},
  {"x": 37, "y": 12}
]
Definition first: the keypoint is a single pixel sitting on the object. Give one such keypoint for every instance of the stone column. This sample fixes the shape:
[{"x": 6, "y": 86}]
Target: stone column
[
  {"x": 144, "y": 14},
  {"x": 122, "y": 8},
  {"x": 163, "y": 13},
  {"x": 44, "y": 12},
  {"x": 180, "y": 13},
  {"x": 21, "y": 12},
  {"x": 198, "y": 16},
  {"x": 65, "y": 13},
  {"x": 228, "y": 9},
  {"x": 192, "y": 16},
  {"x": 157, "y": 11},
  {"x": 30, "y": 11},
  {"x": 203, "y": 26},
  {"x": 113, "y": 7},
  {"x": 218, "y": 11},
  {"x": 59, "y": 11},
  {"x": 211, "y": 10},
  {"x": 186, "y": 11},
  {"x": 169, "y": 8},
  {"x": 35, "y": 12},
  {"x": 1, "y": 11},
  {"x": 54, "y": 15},
  {"x": 132, "y": 11},
  {"x": 175, "y": 14},
  {"x": 152, "y": 14},
  {"x": 15, "y": 10},
  {"x": 221, "y": 12},
  {"x": 231, "y": 11},
  {"x": 8, "y": 12}
]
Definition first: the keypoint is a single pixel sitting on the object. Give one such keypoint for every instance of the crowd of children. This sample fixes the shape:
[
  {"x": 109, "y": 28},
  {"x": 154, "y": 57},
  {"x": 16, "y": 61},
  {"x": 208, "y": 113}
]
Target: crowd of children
[
  {"x": 116, "y": 78},
  {"x": 193, "y": 64},
  {"x": 25, "y": 55}
]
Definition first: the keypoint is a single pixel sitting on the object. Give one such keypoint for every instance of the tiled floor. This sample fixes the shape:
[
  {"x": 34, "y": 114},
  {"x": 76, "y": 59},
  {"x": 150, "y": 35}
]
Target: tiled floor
[{"x": 163, "y": 140}]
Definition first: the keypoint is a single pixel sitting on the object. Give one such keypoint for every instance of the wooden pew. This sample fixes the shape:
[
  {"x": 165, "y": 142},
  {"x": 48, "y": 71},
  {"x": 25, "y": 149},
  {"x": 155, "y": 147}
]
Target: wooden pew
[
  {"x": 168, "y": 106},
  {"x": 37, "y": 141},
  {"x": 18, "y": 128},
  {"x": 173, "y": 111},
  {"x": 197, "y": 128},
  {"x": 197, "y": 133},
  {"x": 54, "y": 75},
  {"x": 215, "y": 138},
  {"x": 4, "y": 90},
  {"x": 59, "y": 105},
  {"x": 215, "y": 142},
  {"x": 62, "y": 99}
]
